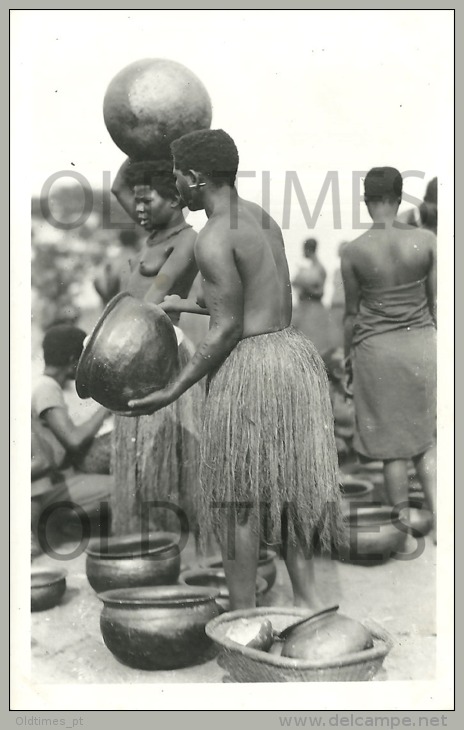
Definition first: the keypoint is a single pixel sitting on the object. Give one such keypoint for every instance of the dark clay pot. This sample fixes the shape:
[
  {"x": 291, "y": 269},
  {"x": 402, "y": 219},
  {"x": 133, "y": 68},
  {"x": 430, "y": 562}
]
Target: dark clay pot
[
  {"x": 131, "y": 352},
  {"x": 150, "y": 103},
  {"x": 374, "y": 535},
  {"x": 355, "y": 490},
  {"x": 267, "y": 568},
  {"x": 420, "y": 518},
  {"x": 120, "y": 562},
  {"x": 216, "y": 578},
  {"x": 47, "y": 589},
  {"x": 159, "y": 627},
  {"x": 326, "y": 637}
]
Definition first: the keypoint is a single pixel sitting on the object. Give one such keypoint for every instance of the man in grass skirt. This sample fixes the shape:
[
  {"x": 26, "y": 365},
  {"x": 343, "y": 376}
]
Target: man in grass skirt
[{"x": 268, "y": 458}]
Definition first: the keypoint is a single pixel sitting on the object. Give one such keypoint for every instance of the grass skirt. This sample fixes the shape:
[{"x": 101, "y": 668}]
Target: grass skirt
[
  {"x": 268, "y": 440},
  {"x": 157, "y": 458}
]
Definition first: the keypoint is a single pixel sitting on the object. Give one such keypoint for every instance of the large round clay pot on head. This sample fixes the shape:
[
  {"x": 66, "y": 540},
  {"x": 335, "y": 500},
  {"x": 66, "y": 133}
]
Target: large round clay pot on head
[
  {"x": 131, "y": 352},
  {"x": 216, "y": 578},
  {"x": 267, "y": 568},
  {"x": 47, "y": 588},
  {"x": 152, "y": 102},
  {"x": 159, "y": 627},
  {"x": 133, "y": 560},
  {"x": 374, "y": 535}
]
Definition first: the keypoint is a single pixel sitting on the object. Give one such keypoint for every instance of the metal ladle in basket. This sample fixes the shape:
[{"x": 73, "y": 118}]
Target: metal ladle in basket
[{"x": 285, "y": 633}]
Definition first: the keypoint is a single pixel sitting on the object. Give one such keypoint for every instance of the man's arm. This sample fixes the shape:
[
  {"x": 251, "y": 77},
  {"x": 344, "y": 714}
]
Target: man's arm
[
  {"x": 73, "y": 437},
  {"x": 223, "y": 293},
  {"x": 352, "y": 296},
  {"x": 174, "y": 304}
]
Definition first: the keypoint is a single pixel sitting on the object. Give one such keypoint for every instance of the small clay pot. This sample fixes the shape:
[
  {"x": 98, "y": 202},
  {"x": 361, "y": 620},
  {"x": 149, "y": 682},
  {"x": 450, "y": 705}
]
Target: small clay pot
[
  {"x": 133, "y": 560},
  {"x": 355, "y": 490},
  {"x": 47, "y": 588},
  {"x": 159, "y": 627},
  {"x": 420, "y": 518},
  {"x": 374, "y": 535},
  {"x": 216, "y": 578},
  {"x": 267, "y": 567}
]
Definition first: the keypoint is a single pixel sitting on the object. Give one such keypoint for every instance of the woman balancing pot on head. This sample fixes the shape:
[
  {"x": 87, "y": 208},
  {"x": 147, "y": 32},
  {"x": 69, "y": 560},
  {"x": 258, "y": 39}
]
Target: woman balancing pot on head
[
  {"x": 268, "y": 457},
  {"x": 389, "y": 275},
  {"x": 157, "y": 457}
]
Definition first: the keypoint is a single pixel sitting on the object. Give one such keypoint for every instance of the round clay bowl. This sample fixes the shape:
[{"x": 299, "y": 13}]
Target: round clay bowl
[
  {"x": 372, "y": 471},
  {"x": 374, "y": 535},
  {"x": 152, "y": 102},
  {"x": 158, "y": 627},
  {"x": 120, "y": 562},
  {"x": 267, "y": 568},
  {"x": 216, "y": 578},
  {"x": 131, "y": 352},
  {"x": 420, "y": 518},
  {"x": 47, "y": 588},
  {"x": 355, "y": 490}
]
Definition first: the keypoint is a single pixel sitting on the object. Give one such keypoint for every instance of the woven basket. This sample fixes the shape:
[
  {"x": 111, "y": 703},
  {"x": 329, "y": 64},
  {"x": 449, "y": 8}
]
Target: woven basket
[{"x": 251, "y": 665}]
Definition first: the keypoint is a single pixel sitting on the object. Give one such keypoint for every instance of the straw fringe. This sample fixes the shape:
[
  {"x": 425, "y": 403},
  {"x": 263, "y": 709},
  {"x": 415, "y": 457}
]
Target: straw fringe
[
  {"x": 268, "y": 439},
  {"x": 157, "y": 458}
]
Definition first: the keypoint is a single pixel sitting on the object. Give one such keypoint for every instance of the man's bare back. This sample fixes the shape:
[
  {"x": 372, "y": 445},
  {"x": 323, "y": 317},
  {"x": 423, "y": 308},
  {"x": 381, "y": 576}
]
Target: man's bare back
[{"x": 248, "y": 242}]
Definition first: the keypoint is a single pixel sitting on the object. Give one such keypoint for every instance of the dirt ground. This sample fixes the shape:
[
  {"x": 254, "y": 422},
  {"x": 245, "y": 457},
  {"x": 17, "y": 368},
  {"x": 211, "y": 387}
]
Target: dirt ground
[{"x": 399, "y": 595}]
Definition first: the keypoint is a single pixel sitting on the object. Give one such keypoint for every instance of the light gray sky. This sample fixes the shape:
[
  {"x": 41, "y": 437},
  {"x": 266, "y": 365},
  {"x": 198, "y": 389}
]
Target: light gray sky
[{"x": 304, "y": 91}]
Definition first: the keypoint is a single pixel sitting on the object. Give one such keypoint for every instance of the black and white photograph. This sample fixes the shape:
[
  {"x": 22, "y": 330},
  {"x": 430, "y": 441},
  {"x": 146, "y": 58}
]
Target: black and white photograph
[{"x": 232, "y": 313}]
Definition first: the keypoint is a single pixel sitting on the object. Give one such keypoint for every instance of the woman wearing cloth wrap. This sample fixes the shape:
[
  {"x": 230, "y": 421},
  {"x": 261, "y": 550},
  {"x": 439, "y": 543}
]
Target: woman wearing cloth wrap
[
  {"x": 157, "y": 457},
  {"x": 267, "y": 446},
  {"x": 389, "y": 275}
]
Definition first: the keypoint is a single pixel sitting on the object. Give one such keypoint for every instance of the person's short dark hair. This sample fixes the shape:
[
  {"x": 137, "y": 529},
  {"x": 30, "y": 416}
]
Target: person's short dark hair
[
  {"x": 62, "y": 344},
  {"x": 157, "y": 174},
  {"x": 431, "y": 191},
  {"x": 428, "y": 215},
  {"x": 383, "y": 184},
  {"x": 209, "y": 151},
  {"x": 309, "y": 246}
]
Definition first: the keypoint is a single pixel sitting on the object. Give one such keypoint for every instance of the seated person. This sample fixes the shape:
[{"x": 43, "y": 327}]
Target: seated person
[
  {"x": 76, "y": 445},
  {"x": 59, "y": 447}
]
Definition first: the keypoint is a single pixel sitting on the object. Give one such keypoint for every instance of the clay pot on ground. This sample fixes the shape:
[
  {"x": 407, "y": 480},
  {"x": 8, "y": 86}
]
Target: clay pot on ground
[
  {"x": 267, "y": 567},
  {"x": 374, "y": 535},
  {"x": 47, "y": 588},
  {"x": 372, "y": 472},
  {"x": 159, "y": 627},
  {"x": 420, "y": 518},
  {"x": 355, "y": 491},
  {"x": 216, "y": 578},
  {"x": 133, "y": 560}
]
